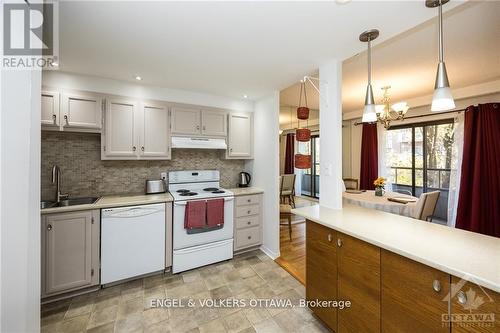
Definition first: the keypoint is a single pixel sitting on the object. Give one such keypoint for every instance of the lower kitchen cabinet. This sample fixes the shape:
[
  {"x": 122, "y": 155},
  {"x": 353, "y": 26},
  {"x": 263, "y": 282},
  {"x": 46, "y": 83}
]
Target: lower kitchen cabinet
[
  {"x": 247, "y": 222},
  {"x": 321, "y": 270},
  {"x": 473, "y": 308},
  {"x": 359, "y": 282},
  {"x": 414, "y": 296},
  {"x": 70, "y": 251}
]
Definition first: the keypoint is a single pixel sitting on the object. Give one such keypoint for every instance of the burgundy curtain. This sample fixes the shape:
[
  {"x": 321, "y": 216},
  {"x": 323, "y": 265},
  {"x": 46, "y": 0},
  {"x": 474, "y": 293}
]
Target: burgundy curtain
[
  {"x": 369, "y": 157},
  {"x": 289, "y": 153},
  {"x": 479, "y": 196}
]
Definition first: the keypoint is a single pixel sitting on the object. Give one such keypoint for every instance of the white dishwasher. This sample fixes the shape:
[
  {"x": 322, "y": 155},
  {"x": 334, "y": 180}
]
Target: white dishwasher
[{"x": 132, "y": 241}]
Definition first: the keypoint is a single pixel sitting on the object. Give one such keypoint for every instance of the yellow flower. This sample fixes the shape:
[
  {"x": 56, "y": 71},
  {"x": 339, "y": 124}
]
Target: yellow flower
[{"x": 380, "y": 181}]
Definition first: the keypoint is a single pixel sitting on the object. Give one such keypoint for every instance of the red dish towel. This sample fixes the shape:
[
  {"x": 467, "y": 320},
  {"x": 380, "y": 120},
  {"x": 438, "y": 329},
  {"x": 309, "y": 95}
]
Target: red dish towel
[
  {"x": 195, "y": 215},
  {"x": 215, "y": 212}
]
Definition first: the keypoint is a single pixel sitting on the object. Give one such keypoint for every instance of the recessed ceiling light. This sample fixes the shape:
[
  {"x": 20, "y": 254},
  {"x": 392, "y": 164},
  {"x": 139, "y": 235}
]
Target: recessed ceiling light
[
  {"x": 138, "y": 78},
  {"x": 245, "y": 96}
]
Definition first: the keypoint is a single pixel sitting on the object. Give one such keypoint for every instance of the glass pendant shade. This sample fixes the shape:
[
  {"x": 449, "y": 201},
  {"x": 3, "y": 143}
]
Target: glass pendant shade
[
  {"x": 442, "y": 100},
  {"x": 369, "y": 114}
]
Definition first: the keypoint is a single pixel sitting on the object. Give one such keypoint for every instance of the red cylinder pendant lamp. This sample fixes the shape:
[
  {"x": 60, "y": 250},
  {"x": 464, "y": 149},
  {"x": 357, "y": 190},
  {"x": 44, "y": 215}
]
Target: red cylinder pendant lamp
[
  {"x": 303, "y": 134},
  {"x": 303, "y": 161}
]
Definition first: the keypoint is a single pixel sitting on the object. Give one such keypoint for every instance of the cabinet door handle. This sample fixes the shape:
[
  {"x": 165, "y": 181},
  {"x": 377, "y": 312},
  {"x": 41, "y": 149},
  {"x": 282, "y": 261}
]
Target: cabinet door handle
[
  {"x": 134, "y": 148},
  {"x": 436, "y": 285},
  {"x": 249, "y": 222},
  {"x": 462, "y": 297},
  {"x": 204, "y": 128},
  {"x": 249, "y": 200},
  {"x": 339, "y": 242},
  {"x": 249, "y": 212},
  {"x": 142, "y": 148},
  {"x": 329, "y": 237},
  {"x": 49, "y": 227},
  {"x": 198, "y": 127},
  {"x": 54, "y": 118},
  {"x": 249, "y": 237}
]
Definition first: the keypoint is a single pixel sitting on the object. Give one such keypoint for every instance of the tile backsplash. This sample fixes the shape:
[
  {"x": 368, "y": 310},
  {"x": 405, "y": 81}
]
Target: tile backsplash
[{"x": 84, "y": 173}]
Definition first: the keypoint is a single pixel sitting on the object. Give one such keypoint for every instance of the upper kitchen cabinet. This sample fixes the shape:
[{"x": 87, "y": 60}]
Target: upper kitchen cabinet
[
  {"x": 71, "y": 111},
  {"x": 186, "y": 121},
  {"x": 134, "y": 130},
  {"x": 240, "y": 138},
  {"x": 50, "y": 109},
  {"x": 153, "y": 132},
  {"x": 196, "y": 122},
  {"x": 83, "y": 111},
  {"x": 213, "y": 123},
  {"x": 118, "y": 140}
]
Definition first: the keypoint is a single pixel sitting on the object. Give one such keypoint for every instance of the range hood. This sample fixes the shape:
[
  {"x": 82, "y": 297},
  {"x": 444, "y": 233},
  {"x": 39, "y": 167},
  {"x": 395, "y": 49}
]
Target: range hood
[{"x": 198, "y": 143}]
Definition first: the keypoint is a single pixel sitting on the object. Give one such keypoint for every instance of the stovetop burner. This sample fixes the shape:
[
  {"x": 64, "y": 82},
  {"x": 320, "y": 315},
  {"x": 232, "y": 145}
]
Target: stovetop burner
[
  {"x": 218, "y": 191},
  {"x": 183, "y": 191},
  {"x": 211, "y": 189},
  {"x": 187, "y": 194}
]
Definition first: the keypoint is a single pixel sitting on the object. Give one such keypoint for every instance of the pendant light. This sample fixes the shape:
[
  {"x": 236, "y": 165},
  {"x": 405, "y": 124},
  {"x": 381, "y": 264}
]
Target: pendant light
[
  {"x": 442, "y": 99},
  {"x": 369, "y": 112}
]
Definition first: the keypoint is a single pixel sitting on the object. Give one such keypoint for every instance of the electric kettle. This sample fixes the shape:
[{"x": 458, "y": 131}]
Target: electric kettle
[{"x": 245, "y": 179}]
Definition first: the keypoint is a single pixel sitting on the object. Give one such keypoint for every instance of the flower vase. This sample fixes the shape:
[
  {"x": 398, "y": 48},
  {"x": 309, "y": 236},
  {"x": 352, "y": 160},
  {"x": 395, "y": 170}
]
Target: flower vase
[{"x": 379, "y": 191}]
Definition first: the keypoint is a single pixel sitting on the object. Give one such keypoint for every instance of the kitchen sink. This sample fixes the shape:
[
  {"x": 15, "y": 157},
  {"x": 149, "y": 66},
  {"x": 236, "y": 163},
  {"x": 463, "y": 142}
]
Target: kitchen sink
[
  {"x": 68, "y": 202},
  {"x": 47, "y": 204},
  {"x": 76, "y": 201}
]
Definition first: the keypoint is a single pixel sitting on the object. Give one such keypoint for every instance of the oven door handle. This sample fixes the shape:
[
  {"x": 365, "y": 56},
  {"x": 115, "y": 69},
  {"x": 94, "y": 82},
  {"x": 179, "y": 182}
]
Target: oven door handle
[{"x": 183, "y": 203}]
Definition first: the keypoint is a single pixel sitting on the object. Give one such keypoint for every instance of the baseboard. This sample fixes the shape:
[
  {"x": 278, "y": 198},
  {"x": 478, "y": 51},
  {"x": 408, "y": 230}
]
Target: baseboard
[{"x": 271, "y": 254}]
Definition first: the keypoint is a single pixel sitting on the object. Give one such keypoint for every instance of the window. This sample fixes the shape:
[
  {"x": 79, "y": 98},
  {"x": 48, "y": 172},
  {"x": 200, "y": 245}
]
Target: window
[
  {"x": 419, "y": 159},
  {"x": 310, "y": 177}
]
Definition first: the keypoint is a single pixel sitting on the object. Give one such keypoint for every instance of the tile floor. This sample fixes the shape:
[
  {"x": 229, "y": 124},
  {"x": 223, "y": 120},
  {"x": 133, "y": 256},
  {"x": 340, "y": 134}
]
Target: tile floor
[{"x": 127, "y": 307}]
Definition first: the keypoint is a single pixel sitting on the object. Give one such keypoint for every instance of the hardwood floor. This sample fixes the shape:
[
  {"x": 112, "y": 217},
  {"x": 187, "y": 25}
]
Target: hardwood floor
[{"x": 293, "y": 252}]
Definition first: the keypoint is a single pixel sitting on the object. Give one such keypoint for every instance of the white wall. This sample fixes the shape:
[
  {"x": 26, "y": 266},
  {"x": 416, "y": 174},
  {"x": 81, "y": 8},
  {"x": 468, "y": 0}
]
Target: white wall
[
  {"x": 265, "y": 168},
  {"x": 20, "y": 201},
  {"x": 330, "y": 128},
  {"x": 143, "y": 91}
]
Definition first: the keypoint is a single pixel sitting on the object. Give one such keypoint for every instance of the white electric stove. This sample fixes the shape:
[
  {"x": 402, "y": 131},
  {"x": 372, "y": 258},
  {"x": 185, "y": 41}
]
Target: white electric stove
[{"x": 191, "y": 250}]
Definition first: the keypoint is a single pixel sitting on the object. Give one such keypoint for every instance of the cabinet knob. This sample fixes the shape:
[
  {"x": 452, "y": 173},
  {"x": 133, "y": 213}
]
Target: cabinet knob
[
  {"x": 198, "y": 127},
  {"x": 54, "y": 118},
  {"x": 249, "y": 211},
  {"x": 339, "y": 242},
  {"x": 462, "y": 297},
  {"x": 142, "y": 148},
  {"x": 436, "y": 285},
  {"x": 249, "y": 200},
  {"x": 49, "y": 227},
  {"x": 249, "y": 222},
  {"x": 66, "y": 117},
  {"x": 249, "y": 237},
  {"x": 134, "y": 148},
  {"x": 203, "y": 127}
]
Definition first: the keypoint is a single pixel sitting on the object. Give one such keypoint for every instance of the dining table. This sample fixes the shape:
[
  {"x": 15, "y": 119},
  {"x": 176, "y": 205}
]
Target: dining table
[{"x": 368, "y": 199}]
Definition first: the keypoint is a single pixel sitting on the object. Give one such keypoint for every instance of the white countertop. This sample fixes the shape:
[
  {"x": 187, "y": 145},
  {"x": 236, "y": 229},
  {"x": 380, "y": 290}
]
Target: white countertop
[
  {"x": 109, "y": 201},
  {"x": 238, "y": 191},
  {"x": 471, "y": 256}
]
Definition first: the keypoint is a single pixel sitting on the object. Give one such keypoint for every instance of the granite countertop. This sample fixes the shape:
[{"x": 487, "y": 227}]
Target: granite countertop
[
  {"x": 238, "y": 191},
  {"x": 471, "y": 256},
  {"x": 109, "y": 201}
]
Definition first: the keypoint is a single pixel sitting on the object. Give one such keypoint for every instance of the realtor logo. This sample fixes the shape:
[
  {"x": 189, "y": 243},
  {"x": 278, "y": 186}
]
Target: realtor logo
[{"x": 30, "y": 35}]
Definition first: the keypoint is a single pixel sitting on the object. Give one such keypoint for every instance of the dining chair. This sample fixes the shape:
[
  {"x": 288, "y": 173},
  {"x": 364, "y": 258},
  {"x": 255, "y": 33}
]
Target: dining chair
[
  {"x": 426, "y": 206},
  {"x": 287, "y": 189},
  {"x": 285, "y": 212},
  {"x": 351, "y": 183}
]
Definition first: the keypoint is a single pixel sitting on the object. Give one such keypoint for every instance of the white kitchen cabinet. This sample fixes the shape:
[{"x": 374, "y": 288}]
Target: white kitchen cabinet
[
  {"x": 213, "y": 123},
  {"x": 247, "y": 222},
  {"x": 81, "y": 110},
  {"x": 50, "y": 109},
  {"x": 70, "y": 251},
  {"x": 240, "y": 138},
  {"x": 118, "y": 140},
  {"x": 186, "y": 121},
  {"x": 154, "y": 131}
]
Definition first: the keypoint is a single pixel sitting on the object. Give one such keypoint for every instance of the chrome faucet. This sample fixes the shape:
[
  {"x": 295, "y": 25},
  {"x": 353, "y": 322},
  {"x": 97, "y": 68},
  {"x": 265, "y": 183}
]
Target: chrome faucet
[{"x": 56, "y": 178}]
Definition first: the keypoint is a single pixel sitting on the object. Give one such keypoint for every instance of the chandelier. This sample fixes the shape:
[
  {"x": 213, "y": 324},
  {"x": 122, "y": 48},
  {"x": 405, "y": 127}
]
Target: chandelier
[{"x": 387, "y": 112}]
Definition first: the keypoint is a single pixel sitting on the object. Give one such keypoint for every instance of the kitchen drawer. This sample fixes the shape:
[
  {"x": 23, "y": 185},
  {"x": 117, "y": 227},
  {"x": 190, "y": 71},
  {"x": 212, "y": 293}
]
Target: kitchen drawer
[
  {"x": 247, "y": 210},
  {"x": 245, "y": 222},
  {"x": 248, "y": 200},
  {"x": 247, "y": 237}
]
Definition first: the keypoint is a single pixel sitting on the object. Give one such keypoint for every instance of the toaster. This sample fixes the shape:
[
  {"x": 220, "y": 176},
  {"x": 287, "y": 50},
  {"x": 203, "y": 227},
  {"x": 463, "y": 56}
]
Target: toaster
[{"x": 155, "y": 186}]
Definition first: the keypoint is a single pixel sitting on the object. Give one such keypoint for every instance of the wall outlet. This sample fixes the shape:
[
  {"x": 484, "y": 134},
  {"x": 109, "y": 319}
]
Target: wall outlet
[{"x": 163, "y": 175}]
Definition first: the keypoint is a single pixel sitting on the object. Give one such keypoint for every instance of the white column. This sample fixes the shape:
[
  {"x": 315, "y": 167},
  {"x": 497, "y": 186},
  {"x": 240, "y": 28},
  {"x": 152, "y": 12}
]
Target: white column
[
  {"x": 265, "y": 169},
  {"x": 330, "y": 134}
]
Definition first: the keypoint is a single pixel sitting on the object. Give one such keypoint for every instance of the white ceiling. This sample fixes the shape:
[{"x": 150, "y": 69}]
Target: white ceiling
[
  {"x": 224, "y": 48},
  {"x": 408, "y": 61}
]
